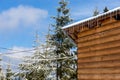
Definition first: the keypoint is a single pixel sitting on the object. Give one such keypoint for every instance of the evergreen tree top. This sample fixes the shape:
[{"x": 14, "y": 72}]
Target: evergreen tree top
[
  {"x": 105, "y": 9},
  {"x": 63, "y": 16},
  {"x": 62, "y": 44},
  {"x": 96, "y": 12}
]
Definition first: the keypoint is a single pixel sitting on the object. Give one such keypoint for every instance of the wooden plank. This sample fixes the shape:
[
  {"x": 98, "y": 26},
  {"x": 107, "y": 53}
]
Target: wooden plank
[
  {"x": 100, "y": 46},
  {"x": 99, "y": 76},
  {"x": 99, "y": 71},
  {"x": 105, "y": 33},
  {"x": 98, "y": 79},
  {"x": 100, "y": 41},
  {"x": 99, "y": 53},
  {"x": 99, "y": 29},
  {"x": 99, "y": 58},
  {"x": 102, "y": 64},
  {"x": 108, "y": 21}
]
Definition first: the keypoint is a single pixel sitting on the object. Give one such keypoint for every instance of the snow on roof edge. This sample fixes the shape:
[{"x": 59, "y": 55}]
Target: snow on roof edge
[{"x": 76, "y": 23}]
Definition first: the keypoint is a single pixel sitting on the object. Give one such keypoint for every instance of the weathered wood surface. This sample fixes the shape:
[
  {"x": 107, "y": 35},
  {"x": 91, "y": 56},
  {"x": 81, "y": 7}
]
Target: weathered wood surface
[
  {"x": 99, "y": 52},
  {"x": 99, "y": 29},
  {"x": 99, "y": 77}
]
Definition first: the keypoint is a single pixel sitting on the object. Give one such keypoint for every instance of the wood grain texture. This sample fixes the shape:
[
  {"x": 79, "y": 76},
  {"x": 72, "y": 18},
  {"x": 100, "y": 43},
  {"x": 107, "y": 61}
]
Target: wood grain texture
[
  {"x": 99, "y": 76},
  {"x": 99, "y": 29},
  {"x": 99, "y": 52}
]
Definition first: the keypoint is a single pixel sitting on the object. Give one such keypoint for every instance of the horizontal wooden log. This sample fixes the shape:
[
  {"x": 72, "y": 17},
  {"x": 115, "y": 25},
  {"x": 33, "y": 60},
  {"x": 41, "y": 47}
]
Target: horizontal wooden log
[
  {"x": 99, "y": 53},
  {"x": 99, "y": 79},
  {"x": 99, "y": 29},
  {"x": 100, "y": 71},
  {"x": 102, "y": 64},
  {"x": 100, "y": 41},
  {"x": 99, "y": 76},
  {"x": 99, "y": 58},
  {"x": 107, "y": 21},
  {"x": 100, "y": 46},
  {"x": 105, "y": 33}
]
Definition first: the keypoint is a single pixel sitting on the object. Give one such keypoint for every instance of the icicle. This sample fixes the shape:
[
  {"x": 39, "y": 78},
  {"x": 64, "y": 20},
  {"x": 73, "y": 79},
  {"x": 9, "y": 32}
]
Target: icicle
[
  {"x": 73, "y": 29},
  {"x": 102, "y": 17},
  {"x": 119, "y": 12},
  {"x": 116, "y": 15},
  {"x": 105, "y": 16},
  {"x": 88, "y": 24},
  {"x": 83, "y": 27},
  {"x": 97, "y": 22},
  {"x": 92, "y": 23},
  {"x": 79, "y": 29},
  {"x": 110, "y": 16}
]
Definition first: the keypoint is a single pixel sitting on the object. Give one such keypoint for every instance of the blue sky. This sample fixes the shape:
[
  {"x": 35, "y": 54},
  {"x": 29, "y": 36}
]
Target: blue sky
[{"x": 19, "y": 19}]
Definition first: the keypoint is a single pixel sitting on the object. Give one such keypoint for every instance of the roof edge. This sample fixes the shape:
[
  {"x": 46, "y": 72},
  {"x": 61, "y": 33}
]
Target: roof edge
[{"x": 81, "y": 21}]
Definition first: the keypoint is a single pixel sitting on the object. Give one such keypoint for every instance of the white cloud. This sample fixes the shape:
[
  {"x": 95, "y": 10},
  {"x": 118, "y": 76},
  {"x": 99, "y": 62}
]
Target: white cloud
[{"x": 21, "y": 16}]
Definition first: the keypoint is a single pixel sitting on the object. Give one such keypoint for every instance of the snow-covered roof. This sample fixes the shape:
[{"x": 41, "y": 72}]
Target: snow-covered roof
[{"x": 94, "y": 17}]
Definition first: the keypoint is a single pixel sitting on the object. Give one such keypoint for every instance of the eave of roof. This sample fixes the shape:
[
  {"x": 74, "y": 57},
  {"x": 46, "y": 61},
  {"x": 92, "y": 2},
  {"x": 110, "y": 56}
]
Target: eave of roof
[{"x": 88, "y": 19}]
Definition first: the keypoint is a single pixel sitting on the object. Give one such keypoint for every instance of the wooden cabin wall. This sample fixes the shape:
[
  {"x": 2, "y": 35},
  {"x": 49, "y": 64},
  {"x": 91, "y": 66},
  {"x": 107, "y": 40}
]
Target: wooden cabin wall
[{"x": 99, "y": 53}]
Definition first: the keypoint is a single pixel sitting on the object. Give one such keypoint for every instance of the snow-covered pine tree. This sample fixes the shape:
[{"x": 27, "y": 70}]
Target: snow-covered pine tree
[
  {"x": 2, "y": 76},
  {"x": 39, "y": 65},
  {"x": 9, "y": 72},
  {"x": 66, "y": 68},
  {"x": 95, "y": 12}
]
